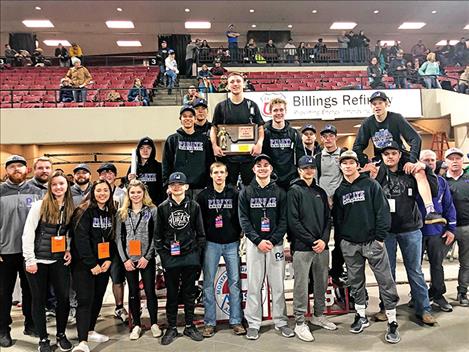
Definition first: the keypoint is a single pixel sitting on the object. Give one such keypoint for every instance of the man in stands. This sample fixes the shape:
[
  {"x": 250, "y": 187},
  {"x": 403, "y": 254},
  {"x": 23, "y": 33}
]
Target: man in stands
[
  {"x": 191, "y": 53},
  {"x": 80, "y": 78},
  {"x": 237, "y": 110},
  {"x": 16, "y": 197},
  {"x": 232, "y": 36},
  {"x": 42, "y": 168},
  {"x": 191, "y": 96},
  {"x": 308, "y": 136},
  {"x": 218, "y": 69},
  {"x": 82, "y": 185},
  {"x": 382, "y": 128},
  {"x": 161, "y": 56},
  {"x": 398, "y": 70}
]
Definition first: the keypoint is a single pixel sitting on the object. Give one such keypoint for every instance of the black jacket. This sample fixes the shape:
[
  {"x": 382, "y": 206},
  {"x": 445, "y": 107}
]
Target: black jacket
[
  {"x": 224, "y": 204},
  {"x": 256, "y": 202},
  {"x": 361, "y": 211},
  {"x": 190, "y": 154},
  {"x": 43, "y": 243},
  {"x": 460, "y": 192},
  {"x": 392, "y": 128},
  {"x": 285, "y": 148},
  {"x": 308, "y": 215},
  {"x": 402, "y": 188},
  {"x": 94, "y": 226}
]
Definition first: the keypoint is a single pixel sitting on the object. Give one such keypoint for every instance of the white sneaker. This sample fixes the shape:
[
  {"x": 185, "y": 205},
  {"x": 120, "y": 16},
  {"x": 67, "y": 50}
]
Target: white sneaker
[
  {"x": 93, "y": 336},
  {"x": 303, "y": 332},
  {"x": 81, "y": 347},
  {"x": 122, "y": 314},
  {"x": 323, "y": 322},
  {"x": 135, "y": 334},
  {"x": 156, "y": 331}
]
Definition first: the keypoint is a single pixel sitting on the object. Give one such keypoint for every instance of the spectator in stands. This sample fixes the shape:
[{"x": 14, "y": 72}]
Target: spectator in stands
[
  {"x": 270, "y": 51},
  {"x": 250, "y": 51},
  {"x": 248, "y": 86},
  {"x": 446, "y": 54},
  {"x": 138, "y": 93},
  {"x": 204, "y": 72},
  {"x": 375, "y": 74},
  {"x": 204, "y": 45},
  {"x": 289, "y": 51},
  {"x": 205, "y": 85},
  {"x": 412, "y": 72},
  {"x": 25, "y": 58},
  {"x": 232, "y": 36},
  {"x": 12, "y": 56},
  {"x": 302, "y": 53},
  {"x": 161, "y": 56},
  {"x": 418, "y": 51},
  {"x": 398, "y": 70},
  {"x": 343, "y": 42},
  {"x": 171, "y": 70},
  {"x": 460, "y": 52},
  {"x": 394, "y": 50},
  {"x": 204, "y": 51},
  {"x": 223, "y": 85},
  {"x": 429, "y": 71},
  {"x": 363, "y": 40},
  {"x": 61, "y": 53},
  {"x": 380, "y": 55},
  {"x": 318, "y": 49},
  {"x": 463, "y": 85},
  {"x": 80, "y": 77},
  {"x": 352, "y": 46},
  {"x": 66, "y": 91},
  {"x": 218, "y": 69},
  {"x": 75, "y": 51},
  {"x": 39, "y": 60},
  {"x": 190, "y": 55},
  {"x": 385, "y": 51},
  {"x": 191, "y": 96}
]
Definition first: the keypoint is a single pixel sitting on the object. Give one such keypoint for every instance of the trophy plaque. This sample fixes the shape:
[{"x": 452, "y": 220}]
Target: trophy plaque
[{"x": 237, "y": 139}]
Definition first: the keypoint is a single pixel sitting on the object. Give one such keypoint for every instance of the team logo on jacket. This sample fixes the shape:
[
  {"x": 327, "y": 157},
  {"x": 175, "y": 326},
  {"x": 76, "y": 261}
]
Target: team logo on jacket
[
  {"x": 220, "y": 203},
  {"x": 179, "y": 219},
  {"x": 151, "y": 177},
  {"x": 357, "y": 196},
  {"x": 281, "y": 143},
  {"x": 263, "y": 202},
  {"x": 191, "y": 146},
  {"x": 382, "y": 138}
]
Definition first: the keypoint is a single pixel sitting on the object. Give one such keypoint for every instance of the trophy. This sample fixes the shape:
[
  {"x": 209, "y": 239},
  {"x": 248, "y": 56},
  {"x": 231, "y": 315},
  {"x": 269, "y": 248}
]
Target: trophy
[{"x": 237, "y": 139}]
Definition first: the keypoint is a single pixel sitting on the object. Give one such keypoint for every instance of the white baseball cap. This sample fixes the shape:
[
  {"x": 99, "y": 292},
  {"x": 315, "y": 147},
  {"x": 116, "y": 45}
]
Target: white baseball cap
[{"x": 453, "y": 151}]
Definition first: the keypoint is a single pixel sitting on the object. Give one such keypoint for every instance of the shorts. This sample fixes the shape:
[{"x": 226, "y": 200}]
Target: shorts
[{"x": 117, "y": 272}]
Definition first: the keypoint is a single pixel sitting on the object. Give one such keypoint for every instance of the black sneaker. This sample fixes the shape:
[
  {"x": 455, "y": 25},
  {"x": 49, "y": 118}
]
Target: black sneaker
[
  {"x": 193, "y": 333},
  {"x": 462, "y": 298},
  {"x": 63, "y": 343},
  {"x": 44, "y": 346},
  {"x": 434, "y": 218},
  {"x": 30, "y": 331},
  {"x": 392, "y": 333},
  {"x": 359, "y": 324},
  {"x": 169, "y": 336},
  {"x": 5, "y": 340},
  {"x": 443, "y": 304}
]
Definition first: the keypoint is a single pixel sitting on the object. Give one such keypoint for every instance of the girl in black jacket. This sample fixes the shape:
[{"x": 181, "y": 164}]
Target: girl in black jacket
[{"x": 92, "y": 247}]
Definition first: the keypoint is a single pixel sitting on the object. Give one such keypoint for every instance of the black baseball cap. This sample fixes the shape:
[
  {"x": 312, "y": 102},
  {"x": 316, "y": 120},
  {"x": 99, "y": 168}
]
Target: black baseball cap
[
  {"x": 187, "y": 108},
  {"x": 177, "y": 177},
  {"x": 263, "y": 157},
  {"x": 329, "y": 129},
  {"x": 379, "y": 95},
  {"x": 307, "y": 161},
  {"x": 200, "y": 102},
  {"x": 15, "y": 159},
  {"x": 81, "y": 167},
  {"x": 308, "y": 126},
  {"x": 107, "y": 166},
  {"x": 391, "y": 145}
]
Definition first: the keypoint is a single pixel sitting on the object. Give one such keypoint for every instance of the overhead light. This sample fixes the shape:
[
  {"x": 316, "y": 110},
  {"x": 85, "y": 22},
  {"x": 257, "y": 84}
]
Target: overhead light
[
  {"x": 451, "y": 42},
  {"x": 314, "y": 11},
  {"x": 38, "y": 23},
  {"x": 467, "y": 26},
  {"x": 197, "y": 25},
  {"x": 412, "y": 25},
  {"x": 388, "y": 42},
  {"x": 37, "y": 8},
  {"x": 251, "y": 10},
  {"x": 120, "y": 24},
  {"x": 343, "y": 25},
  {"x": 253, "y": 26},
  {"x": 357, "y": 126},
  {"x": 119, "y": 9},
  {"x": 376, "y": 11},
  {"x": 56, "y": 42},
  {"x": 290, "y": 26},
  {"x": 129, "y": 43},
  {"x": 434, "y": 11},
  {"x": 187, "y": 10}
]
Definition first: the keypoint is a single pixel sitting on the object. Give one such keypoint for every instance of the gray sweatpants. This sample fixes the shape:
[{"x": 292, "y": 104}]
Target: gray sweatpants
[
  {"x": 318, "y": 264},
  {"x": 462, "y": 236},
  {"x": 355, "y": 255},
  {"x": 259, "y": 264}
]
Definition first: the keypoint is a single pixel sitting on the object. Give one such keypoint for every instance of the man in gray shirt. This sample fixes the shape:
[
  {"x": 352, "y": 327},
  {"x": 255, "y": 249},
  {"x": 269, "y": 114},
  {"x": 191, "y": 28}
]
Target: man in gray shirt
[{"x": 191, "y": 52}]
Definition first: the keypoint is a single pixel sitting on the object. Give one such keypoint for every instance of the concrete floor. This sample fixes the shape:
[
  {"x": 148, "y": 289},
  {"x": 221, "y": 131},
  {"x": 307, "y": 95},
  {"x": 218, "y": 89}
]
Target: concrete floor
[{"x": 451, "y": 333}]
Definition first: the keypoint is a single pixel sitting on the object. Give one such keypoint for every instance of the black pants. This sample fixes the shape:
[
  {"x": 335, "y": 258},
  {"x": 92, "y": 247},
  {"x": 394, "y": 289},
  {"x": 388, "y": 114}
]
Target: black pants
[
  {"x": 148, "y": 276},
  {"x": 337, "y": 266},
  {"x": 436, "y": 251},
  {"x": 90, "y": 291},
  {"x": 181, "y": 280},
  {"x": 189, "y": 63},
  {"x": 10, "y": 266},
  {"x": 59, "y": 276},
  {"x": 236, "y": 168}
]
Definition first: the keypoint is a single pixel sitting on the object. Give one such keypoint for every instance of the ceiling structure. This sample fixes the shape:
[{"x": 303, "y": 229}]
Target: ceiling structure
[{"x": 84, "y": 21}]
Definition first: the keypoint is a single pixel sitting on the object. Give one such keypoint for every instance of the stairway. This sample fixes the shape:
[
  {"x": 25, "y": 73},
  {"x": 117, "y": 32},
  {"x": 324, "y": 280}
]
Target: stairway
[{"x": 161, "y": 97}]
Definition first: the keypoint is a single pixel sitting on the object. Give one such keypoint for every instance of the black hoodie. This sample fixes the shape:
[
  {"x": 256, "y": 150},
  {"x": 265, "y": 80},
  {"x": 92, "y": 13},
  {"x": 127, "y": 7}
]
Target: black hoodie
[
  {"x": 190, "y": 154},
  {"x": 361, "y": 211},
  {"x": 150, "y": 173},
  {"x": 224, "y": 204},
  {"x": 285, "y": 147},
  {"x": 308, "y": 215},
  {"x": 255, "y": 203}
]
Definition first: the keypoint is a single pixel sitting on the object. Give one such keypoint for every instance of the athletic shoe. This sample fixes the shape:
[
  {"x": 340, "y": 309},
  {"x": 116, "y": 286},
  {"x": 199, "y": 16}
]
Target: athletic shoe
[
  {"x": 121, "y": 314},
  {"x": 323, "y": 322},
  {"x": 136, "y": 332},
  {"x": 193, "y": 333},
  {"x": 50, "y": 313},
  {"x": 252, "y": 334},
  {"x": 392, "y": 333},
  {"x": 81, "y": 347},
  {"x": 303, "y": 332},
  {"x": 434, "y": 218},
  {"x": 462, "y": 298},
  {"x": 208, "y": 331},
  {"x": 156, "y": 331},
  {"x": 286, "y": 331},
  {"x": 380, "y": 316},
  {"x": 44, "y": 346},
  {"x": 238, "y": 329},
  {"x": 169, "y": 336},
  {"x": 427, "y": 318},
  {"x": 443, "y": 304},
  {"x": 5, "y": 340},
  {"x": 359, "y": 324},
  {"x": 63, "y": 343},
  {"x": 93, "y": 336}
]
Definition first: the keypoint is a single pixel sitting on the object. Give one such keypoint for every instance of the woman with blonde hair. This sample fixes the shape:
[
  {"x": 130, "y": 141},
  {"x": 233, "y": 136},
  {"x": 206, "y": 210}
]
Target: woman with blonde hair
[
  {"x": 136, "y": 221},
  {"x": 429, "y": 71},
  {"x": 47, "y": 257}
]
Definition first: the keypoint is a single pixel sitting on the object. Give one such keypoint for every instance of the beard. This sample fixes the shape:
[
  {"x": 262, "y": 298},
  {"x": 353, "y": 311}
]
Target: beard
[
  {"x": 17, "y": 177},
  {"x": 82, "y": 181},
  {"x": 42, "y": 178}
]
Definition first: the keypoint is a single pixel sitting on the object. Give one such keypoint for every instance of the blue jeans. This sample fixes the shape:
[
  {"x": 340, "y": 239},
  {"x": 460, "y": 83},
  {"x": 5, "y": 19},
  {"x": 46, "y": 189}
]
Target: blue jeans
[
  {"x": 171, "y": 78},
  {"x": 410, "y": 244},
  {"x": 213, "y": 252},
  {"x": 79, "y": 95}
]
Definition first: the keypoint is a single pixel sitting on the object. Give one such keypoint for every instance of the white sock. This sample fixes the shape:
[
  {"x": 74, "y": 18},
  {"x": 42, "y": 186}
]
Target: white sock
[
  {"x": 391, "y": 314},
  {"x": 360, "y": 308}
]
